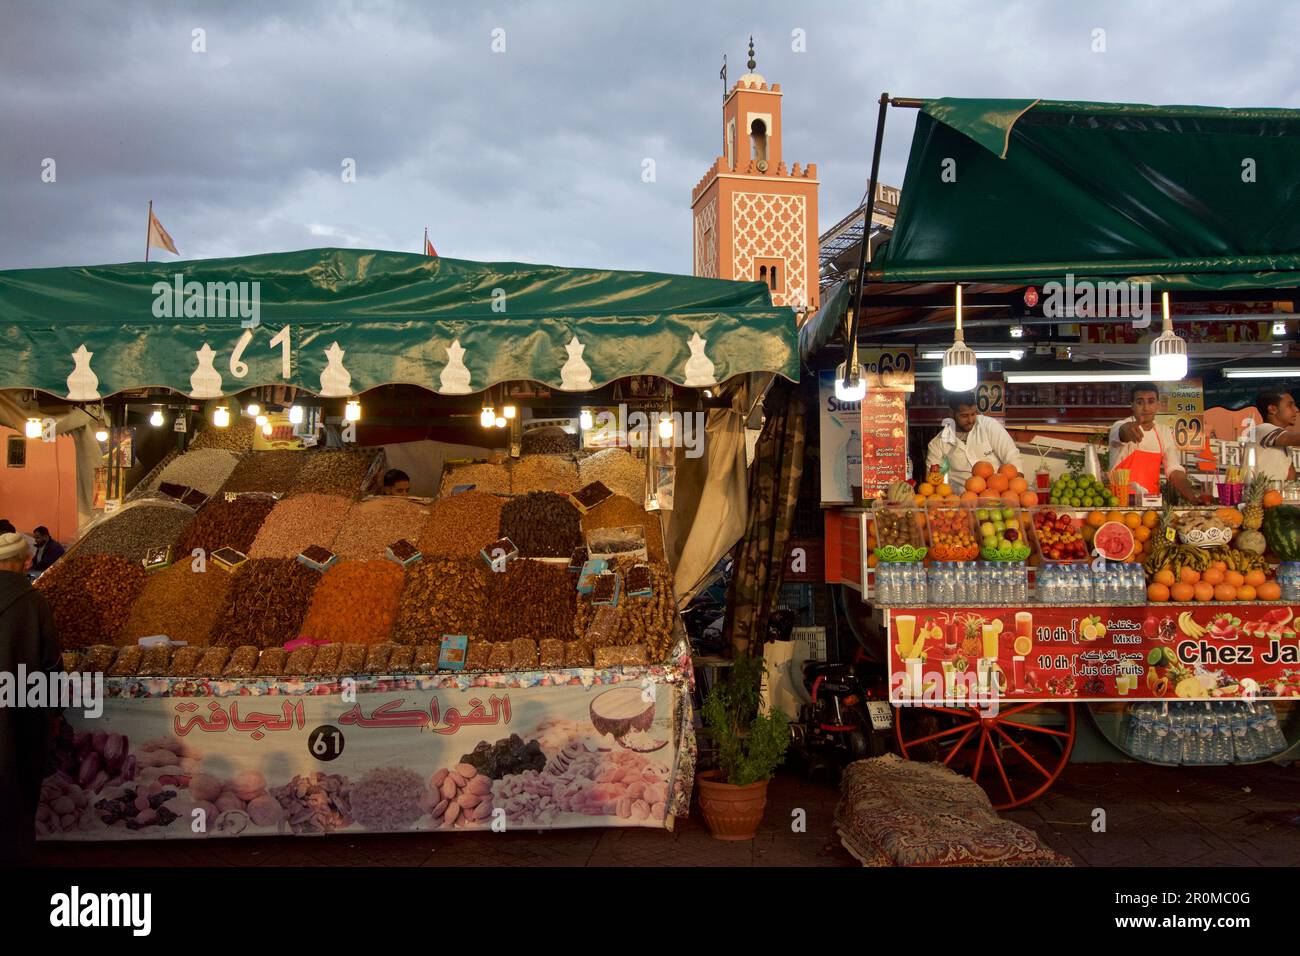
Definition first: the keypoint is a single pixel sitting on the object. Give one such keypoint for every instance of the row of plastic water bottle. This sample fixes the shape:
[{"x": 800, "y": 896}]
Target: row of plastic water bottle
[
  {"x": 978, "y": 582},
  {"x": 1288, "y": 576},
  {"x": 1204, "y": 733},
  {"x": 900, "y": 584},
  {"x": 1081, "y": 584}
]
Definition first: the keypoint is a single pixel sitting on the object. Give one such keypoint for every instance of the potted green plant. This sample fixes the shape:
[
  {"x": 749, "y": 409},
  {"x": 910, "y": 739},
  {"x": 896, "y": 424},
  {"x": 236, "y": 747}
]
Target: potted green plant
[{"x": 749, "y": 747}]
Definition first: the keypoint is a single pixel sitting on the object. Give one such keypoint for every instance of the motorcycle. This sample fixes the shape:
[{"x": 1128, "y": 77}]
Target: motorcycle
[{"x": 847, "y": 715}]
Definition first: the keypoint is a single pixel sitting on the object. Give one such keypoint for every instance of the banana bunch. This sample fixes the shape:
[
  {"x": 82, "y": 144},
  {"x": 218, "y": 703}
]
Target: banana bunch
[
  {"x": 1189, "y": 626},
  {"x": 1175, "y": 557},
  {"x": 1242, "y": 561}
]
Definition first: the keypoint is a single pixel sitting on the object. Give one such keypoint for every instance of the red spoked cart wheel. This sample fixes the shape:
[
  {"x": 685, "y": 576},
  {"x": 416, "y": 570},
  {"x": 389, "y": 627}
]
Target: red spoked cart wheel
[{"x": 1015, "y": 755}]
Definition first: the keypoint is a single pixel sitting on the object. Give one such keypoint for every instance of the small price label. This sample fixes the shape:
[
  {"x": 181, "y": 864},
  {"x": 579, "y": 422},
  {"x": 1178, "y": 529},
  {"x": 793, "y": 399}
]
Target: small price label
[
  {"x": 1169, "y": 534},
  {"x": 325, "y": 742}
]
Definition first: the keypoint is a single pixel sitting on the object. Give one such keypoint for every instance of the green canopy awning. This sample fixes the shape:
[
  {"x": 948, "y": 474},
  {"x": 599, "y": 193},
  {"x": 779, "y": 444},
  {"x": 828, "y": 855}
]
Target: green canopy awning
[
  {"x": 357, "y": 319},
  {"x": 1026, "y": 191}
]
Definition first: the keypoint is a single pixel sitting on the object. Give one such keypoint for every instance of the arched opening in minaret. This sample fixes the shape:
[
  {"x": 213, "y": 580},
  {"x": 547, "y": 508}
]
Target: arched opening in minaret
[{"x": 758, "y": 140}]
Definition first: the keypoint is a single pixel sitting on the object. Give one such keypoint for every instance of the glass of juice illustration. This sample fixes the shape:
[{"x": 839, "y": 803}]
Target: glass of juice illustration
[
  {"x": 1018, "y": 673},
  {"x": 990, "y": 635},
  {"x": 953, "y": 635},
  {"x": 1122, "y": 684},
  {"x": 1025, "y": 624},
  {"x": 906, "y": 627}
]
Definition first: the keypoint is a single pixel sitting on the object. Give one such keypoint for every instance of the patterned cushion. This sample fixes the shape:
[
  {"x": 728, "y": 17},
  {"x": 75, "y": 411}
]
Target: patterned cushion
[{"x": 906, "y": 813}]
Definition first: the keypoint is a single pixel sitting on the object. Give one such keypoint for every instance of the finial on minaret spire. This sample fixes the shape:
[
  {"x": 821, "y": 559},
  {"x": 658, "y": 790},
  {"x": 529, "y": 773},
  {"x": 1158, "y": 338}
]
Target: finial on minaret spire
[{"x": 751, "y": 64}]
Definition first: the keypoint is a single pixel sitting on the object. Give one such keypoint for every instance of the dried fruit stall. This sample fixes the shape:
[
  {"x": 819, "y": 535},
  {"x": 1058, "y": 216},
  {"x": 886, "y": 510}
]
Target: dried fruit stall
[{"x": 286, "y": 651}]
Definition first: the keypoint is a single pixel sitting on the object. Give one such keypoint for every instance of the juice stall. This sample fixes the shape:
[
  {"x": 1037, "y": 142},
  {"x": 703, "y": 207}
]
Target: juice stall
[
  {"x": 286, "y": 649},
  {"x": 1010, "y": 605}
]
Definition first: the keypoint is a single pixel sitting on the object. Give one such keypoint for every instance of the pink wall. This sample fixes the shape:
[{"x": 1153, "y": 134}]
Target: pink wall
[{"x": 45, "y": 492}]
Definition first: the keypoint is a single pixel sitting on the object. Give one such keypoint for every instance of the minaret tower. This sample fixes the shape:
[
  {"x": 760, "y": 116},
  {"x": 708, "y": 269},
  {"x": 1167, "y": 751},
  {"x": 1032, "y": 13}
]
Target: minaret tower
[{"x": 756, "y": 219}]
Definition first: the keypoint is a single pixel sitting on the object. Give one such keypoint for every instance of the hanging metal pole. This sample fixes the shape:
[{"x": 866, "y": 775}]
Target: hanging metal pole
[{"x": 850, "y": 346}]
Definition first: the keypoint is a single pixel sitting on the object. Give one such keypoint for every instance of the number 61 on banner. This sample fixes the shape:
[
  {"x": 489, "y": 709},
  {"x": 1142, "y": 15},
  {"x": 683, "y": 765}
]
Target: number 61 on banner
[{"x": 239, "y": 368}]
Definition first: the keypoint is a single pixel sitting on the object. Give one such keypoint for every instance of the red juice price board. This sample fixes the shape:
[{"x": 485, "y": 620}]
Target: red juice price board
[
  {"x": 1050, "y": 653},
  {"x": 884, "y": 441}
]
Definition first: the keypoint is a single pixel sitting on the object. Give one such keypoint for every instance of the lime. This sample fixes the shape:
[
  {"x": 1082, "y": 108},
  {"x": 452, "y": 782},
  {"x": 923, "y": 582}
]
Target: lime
[{"x": 1155, "y": 656}]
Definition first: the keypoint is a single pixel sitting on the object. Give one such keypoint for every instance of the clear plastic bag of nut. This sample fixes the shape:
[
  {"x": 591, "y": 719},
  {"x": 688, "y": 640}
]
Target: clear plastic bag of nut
[
  {"x": 270, "y": 663},
  {"x": 377, "y": 658},
  {"x": 479, "y": 655},
  {"x": 243, "y": 662},
  {"x": 551, "y": 653},
  {"x": 98, "y": 658},
  {"x": 185, "y": 661},
  {"x": 155, "y": 661},
  {"x": 326, "y": 661},
  {"x": 213, "y": 662},
  {"x": 128, "y": 662},
  {"x": 402, "y": 660},
  {"x": 603, "y": 629},
  {"x": 577, "y": 654},
  {"x": 523, "y": 653},
  {"x": 426, "y": 658}
]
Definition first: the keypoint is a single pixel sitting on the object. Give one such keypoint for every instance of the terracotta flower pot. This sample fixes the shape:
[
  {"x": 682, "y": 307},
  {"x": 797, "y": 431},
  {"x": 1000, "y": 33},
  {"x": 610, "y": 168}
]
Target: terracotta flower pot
[{"x": 731, "y": 812}]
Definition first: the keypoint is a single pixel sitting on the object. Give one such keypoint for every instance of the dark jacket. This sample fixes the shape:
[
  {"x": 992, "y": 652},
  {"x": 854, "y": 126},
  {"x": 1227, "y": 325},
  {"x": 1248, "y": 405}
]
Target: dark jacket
[
  {"x": 26, "y": 637},
  {"x": 51, "y": 553}
]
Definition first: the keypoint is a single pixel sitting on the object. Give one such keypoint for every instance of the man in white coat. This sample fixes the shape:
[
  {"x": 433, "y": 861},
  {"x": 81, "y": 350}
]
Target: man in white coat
[{"x": 969, "y": 437}]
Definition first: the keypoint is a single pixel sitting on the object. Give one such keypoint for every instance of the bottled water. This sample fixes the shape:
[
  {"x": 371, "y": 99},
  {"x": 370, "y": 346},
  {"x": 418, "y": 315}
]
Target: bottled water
[{"x": 1244, "y": 744}]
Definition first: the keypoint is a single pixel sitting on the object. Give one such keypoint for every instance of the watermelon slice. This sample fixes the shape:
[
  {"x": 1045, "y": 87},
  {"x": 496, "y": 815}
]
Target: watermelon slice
[
  {"x": 1114, "y": 541},
  {"x": 1281, "y": 615}
]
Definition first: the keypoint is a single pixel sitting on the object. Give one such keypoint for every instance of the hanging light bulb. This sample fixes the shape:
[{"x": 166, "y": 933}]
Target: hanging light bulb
[
  {"x": 33, "y": 428},
  {"x": 510, "y": 411},
  {"x": 352, "y": 411},
  {"x": 665, "y": 426},
  {"x": 295, "y": 415},
  {"x": 585, "y": 419},
  {"x": 261, "y": 420},
  {"x": 960, "y": 373},
  {"x": 267, "y": 429},
  {"x": 156, "y": 419},
  {"x": 253, "y": 409},
  {"x": 1168, "y": 350},
  {"x": 501, "y": 421},
  {"x": 488, "y": 417},
  {"x": 221, "y": 416},
  {"x": 849, "y": 386},
  {"x": 101, "y": 435}
]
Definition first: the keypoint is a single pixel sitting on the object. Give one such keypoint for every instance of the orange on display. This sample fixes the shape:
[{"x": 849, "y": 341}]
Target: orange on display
[
  {"x": 1203, "y": 591},
  {"x": 1181, "y": 591},
  {"x": 982, "y": 469}
]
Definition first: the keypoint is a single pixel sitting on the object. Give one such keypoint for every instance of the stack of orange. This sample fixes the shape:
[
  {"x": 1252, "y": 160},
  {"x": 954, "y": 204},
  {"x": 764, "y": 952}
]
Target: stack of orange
[
  {"x": 1215, "y": 583},
  {"x": 929, "y": 494},
  {"x": 1006, "y": 484}
]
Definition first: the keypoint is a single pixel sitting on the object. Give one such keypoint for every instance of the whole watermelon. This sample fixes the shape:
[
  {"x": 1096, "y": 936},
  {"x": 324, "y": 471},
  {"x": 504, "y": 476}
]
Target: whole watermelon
[{"x": 1282, "y": 531}]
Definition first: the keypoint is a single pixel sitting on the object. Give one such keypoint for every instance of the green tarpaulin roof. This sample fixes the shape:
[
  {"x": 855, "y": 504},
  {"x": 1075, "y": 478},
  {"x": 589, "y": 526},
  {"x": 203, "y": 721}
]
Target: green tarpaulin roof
[
  {"x": 1026, "y": 191},
  {"x": 449, "y": 325}
]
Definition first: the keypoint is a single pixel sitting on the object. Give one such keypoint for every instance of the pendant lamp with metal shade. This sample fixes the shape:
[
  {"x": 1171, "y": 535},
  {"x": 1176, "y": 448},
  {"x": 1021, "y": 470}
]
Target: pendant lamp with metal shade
[
  {"x": 960, "y": 373},
  {"x": 1168, "y": 350}
]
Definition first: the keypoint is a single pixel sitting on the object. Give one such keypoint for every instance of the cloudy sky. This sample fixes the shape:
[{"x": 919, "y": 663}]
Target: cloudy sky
[{"x": 535, "y": 153}]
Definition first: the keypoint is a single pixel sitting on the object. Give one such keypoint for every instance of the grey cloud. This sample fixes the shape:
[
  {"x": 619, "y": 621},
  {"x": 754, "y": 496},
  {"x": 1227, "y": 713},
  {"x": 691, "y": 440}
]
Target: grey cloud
[{"x": 531, "y": 155}]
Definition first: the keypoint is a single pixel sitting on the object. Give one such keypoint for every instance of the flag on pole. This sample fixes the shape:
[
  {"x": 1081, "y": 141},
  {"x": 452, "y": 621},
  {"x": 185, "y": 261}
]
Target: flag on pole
[
  {"x": 428, "y": 246},
  {"x": 159, "y": 238}
]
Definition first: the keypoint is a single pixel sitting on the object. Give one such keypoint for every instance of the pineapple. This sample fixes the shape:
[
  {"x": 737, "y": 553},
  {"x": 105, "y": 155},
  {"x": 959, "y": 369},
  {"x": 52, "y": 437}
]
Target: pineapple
[{"x": 1253, "y": 516}]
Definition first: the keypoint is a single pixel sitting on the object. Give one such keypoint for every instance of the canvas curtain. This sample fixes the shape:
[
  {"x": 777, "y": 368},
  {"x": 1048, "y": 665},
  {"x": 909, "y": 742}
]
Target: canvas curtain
[{"x": 773, "y": 490}]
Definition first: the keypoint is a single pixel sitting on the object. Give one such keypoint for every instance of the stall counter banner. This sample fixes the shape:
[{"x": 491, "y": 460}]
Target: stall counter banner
[
  {"x": 570, "y": 748},
  {"x": 1051, "y": 653}
]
